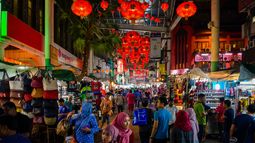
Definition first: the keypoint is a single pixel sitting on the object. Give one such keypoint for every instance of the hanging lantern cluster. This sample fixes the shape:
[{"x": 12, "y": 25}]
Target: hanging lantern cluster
[
  {"x": 164, "y": 6},
  {"x": 134, "y": 50},
  {"x": 83, "y": 8},
  {"x": 132, "y": 10},
  {"x": 152, "y": 18},
  {"x": 186, "y": 9}
]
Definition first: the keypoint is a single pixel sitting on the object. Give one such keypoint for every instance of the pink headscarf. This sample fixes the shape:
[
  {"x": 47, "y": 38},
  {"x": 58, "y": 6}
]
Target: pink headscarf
[
  {"x": 113, "y": 131},
  {"x": 193, "y": 122},
  {"x": 124, "y": 133}
]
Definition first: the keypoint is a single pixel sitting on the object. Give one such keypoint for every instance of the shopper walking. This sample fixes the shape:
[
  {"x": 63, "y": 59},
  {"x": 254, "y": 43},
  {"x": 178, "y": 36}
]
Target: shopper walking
[
  {"x": 106, "y": 108},
  {"x": 122, "y": 123},
  {"x": 162, "y": 118},
  {"x": 194, "y": 123},
  {"x": 228, "y": 119},
  {"x": 145, "y": 130},
  {"x": 110, "y": 134},
  {"x": 25, "y": 125},
  {"x": 8, "y": 130},
  {"x": 182, "y": 132},
  {"x": 220, "y": 118},
  {"x": 131, "y": 102},
  {"x": 241, "y": 123},
  {"x": 120, "y": 100},
  {"x": 63, "y": 110},
  {"x": 201, "y": 116},
  {"x": 69, "y": 103},
  {"x": 85, "y": 124},
  {"x": 173, "y": 110}
]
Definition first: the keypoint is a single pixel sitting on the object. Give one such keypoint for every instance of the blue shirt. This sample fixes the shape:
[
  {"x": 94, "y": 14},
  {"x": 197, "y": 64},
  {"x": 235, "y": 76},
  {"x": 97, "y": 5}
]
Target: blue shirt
[
  {"x": 242, "y": 122},
  {"x": 15, "y": 139},
  {"x": 250, "y": 132},
  {"x": 163, "y": 117},
  {"x": 61, "y": 110}
]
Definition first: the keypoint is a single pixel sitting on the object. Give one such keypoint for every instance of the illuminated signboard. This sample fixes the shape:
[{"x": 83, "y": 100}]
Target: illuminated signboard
[{"x": 206, "y": 57}]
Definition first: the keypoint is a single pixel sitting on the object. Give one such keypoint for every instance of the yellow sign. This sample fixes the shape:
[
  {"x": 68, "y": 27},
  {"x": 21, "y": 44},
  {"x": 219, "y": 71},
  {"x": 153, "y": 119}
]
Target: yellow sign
[{"x": 162, "y": 69}]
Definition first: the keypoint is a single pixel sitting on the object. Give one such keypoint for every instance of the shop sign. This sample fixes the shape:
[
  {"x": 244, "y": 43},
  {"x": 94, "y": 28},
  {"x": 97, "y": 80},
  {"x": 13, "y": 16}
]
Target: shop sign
[
  {"x": 242, "y": 4},
  {"x": 53, "y": 55},
  {"x": 179, "y": 71},
  {"x": 206, "y": 57},
  {"x": 162, "y": 69},
  {"x": 65, "y": 57},
  {"x": 155, "y": 51}
]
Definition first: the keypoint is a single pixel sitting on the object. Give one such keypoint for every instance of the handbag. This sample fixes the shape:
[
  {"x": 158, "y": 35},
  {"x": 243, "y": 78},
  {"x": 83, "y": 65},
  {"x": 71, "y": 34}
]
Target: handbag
[
  {"x": 17, "y": 102},
  {"x": 27, "y": 107},
  {"x": 17, "y": 94},
  {"x": 4, "y": 94},
  {"x": 28, "y": 97},
  {"x": 50, "y": 104},
  {"x": 50, "y": 121},
  {"x": 17, "y": 84},
  {"x": 62, "y": 127},
  {"x": 37, "y": 93},
  {"x": 50, "y": 94},
  {"x": 37, "y": 80},
  {"x": 49, "y": 84},
  {"x": 27, "y": 83},
  {"x": 50, "y": 112},
  {"x": 4, "y": 82},
  {"x": 37, "y": 102}
]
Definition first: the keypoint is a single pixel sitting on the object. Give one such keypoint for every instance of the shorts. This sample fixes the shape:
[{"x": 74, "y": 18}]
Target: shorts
[{"x": 131, "y": 107}]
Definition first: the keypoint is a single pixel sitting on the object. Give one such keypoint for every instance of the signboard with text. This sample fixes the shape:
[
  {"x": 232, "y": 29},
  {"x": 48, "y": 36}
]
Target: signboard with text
[
  {"x": 222, "y": 57},
  {"x": 155, "y": 51}
]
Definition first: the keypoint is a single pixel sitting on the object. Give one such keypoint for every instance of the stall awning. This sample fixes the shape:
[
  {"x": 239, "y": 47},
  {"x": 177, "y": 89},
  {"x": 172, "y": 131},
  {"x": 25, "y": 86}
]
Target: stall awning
[{"x": 224, "y": 75}]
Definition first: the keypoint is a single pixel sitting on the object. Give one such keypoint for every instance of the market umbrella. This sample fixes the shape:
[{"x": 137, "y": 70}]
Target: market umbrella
[
  {"x": 62, "y": 74},
  {"x": 196, "y": 73}
]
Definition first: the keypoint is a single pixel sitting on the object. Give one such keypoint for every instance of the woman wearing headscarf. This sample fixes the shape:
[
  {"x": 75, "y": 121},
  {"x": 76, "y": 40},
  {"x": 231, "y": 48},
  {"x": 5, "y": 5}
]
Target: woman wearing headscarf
[
  {"x": 122, "y": 122},
  {"x": 110, "y": 134},
  {"x": 194, "y": 123},
  {"x": 182, "y": 132},
  {"x": 85, "y": 125}
]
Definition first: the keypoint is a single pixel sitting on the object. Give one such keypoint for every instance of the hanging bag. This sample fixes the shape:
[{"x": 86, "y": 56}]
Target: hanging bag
[
  {"x": 37, "y": 80},
  {"x": 17, "y": 94},
  {"x": 27, "y": 82},
  {"x": 17, "y": 84},
  {"x": 49, "y": 83},
  {"x": 4, "y": 82},
  {"x": 37, "y": 93},
  {"x": 50, "y": 94}
]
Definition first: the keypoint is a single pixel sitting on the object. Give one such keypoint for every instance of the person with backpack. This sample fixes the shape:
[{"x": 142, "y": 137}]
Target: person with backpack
[
  {"x": 145, "y": 128},
  {"x": 228, "y": 119},
  {"x": 239, "y": 129},
  {"x": 162, "y": 118},
  {"x": 106, "y": 108},
  {"x": 120, "y": 100}
]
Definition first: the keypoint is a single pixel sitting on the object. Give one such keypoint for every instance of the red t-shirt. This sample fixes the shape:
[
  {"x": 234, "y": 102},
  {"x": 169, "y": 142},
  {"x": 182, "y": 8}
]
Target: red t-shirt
[
  {"x": 220, "y": 110},
  {"x": 131, "y": 98}
]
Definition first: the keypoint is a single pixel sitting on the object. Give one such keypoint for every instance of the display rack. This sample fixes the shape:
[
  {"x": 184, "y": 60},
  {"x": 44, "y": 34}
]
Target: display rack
[{"x": 212, "y": 97}]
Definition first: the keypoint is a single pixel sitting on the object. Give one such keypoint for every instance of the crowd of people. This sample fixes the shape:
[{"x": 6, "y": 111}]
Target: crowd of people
[{"x": 164, "y": 123}]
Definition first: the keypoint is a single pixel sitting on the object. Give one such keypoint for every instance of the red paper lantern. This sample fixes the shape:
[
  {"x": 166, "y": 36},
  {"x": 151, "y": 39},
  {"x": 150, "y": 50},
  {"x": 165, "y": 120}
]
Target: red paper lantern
[
  {"x": 152, "y": 18},
  {"x": 104, "y": 4},
  {"x": 147, "y": 16},
  {"x": 164, "y": 6},
  {"x": 145, "y": 5},
  {"x": 132, "y": 10},
  {"x": 186, "y": 9},
  {"x": 157, "y": 20},
  {"x": 81, "y": 8}
]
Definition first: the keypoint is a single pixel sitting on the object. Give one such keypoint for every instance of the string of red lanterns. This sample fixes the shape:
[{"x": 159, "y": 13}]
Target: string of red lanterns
[
  {"x": 186, "y": 9},
  {"x": 164, "y": 6},
  {"x": 135, "y": 50}
]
